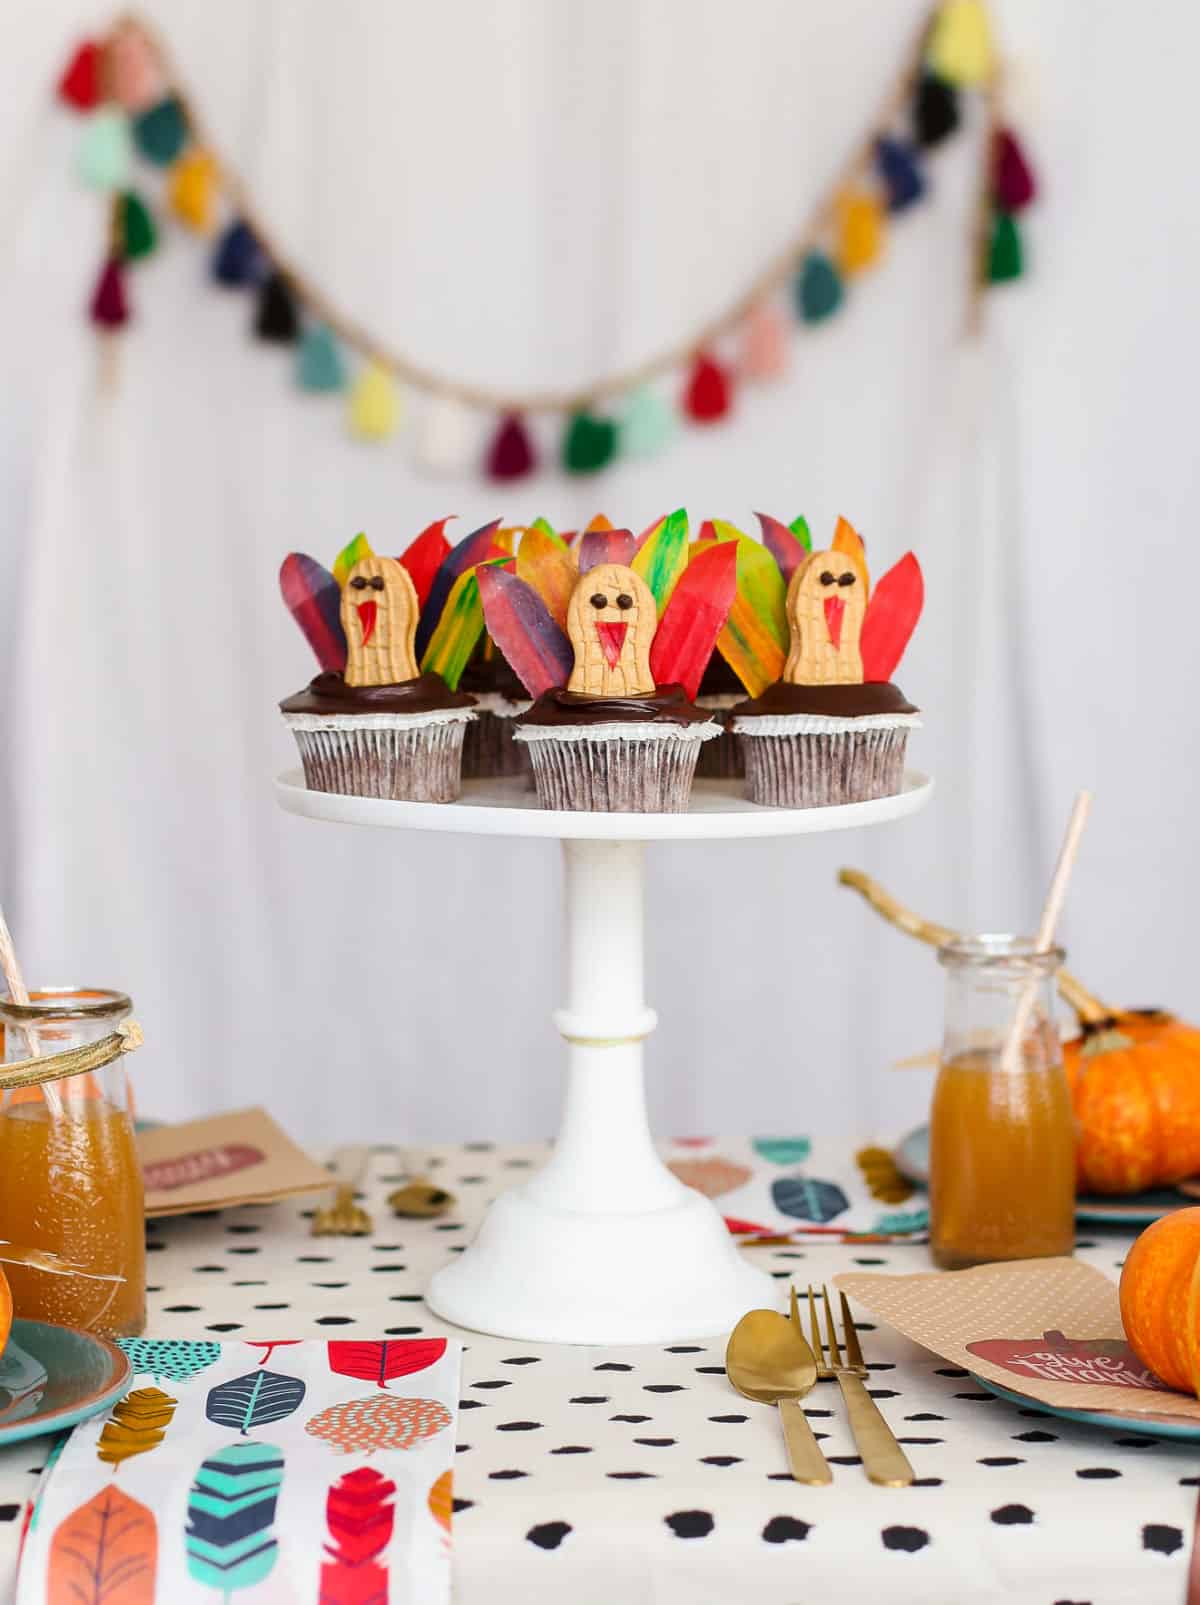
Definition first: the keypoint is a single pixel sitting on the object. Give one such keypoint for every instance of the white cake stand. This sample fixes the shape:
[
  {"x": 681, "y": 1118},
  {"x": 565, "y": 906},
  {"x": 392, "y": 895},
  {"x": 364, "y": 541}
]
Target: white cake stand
[{"x": 568, "y": 1257}]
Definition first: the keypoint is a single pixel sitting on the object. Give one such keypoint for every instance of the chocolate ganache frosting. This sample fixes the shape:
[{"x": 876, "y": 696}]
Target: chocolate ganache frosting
[
  {"x": 667, "y": 704},
  {"x": 484, "y": 674},
  {"x": 329, "y": 693},
  {"x": 834, "y": 701}
]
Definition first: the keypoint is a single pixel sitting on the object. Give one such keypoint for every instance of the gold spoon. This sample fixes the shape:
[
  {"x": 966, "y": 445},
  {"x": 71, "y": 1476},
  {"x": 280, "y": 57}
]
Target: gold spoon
[
  {"x": 420, "y": 1198},
  {"x": 345, "y": 1218},
  {"x": 769, "y": 1361}
]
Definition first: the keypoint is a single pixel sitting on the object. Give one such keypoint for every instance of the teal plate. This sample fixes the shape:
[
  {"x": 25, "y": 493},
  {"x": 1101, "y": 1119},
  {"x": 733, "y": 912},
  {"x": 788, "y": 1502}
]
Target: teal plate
[
  {"x": 1148, "y": 1426},
  {"x": 54, "y": 1376},
  {"x": 1138, "y": 1209}
]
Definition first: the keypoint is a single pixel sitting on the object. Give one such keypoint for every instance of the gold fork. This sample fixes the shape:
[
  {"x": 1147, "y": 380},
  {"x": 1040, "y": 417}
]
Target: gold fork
[
  {"x": 344, "y": 1217},
  {"x": 883, "y": 1459}
]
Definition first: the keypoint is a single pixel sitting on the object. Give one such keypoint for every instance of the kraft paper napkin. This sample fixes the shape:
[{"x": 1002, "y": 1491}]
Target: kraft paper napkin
[{"x": 1047, "y": 1328}]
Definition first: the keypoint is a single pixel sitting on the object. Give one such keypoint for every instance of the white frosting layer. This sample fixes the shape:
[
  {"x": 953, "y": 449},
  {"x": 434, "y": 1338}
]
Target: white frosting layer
[
  {"x": 502, "y": 707},
  {"x": 634, "y": 731},
  {"x": 821, "y": 724},
  {"x": 376, "y": 721}
]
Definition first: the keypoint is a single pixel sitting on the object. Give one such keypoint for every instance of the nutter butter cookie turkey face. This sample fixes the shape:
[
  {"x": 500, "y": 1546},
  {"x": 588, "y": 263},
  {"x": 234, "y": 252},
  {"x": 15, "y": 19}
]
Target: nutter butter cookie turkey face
[
  {"x": 379, "y": 615},
  {"x": 826, "y": 602},
  {"x": 611, "y": 621}
]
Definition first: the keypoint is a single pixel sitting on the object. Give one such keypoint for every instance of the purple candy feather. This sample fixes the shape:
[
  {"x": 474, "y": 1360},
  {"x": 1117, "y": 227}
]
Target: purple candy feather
[
  {"x": 314, "y": 600},
  {"x": 472, "y": 549},
  {"x": 606, "y": 546},
  {"x": 521, "y": 625}
]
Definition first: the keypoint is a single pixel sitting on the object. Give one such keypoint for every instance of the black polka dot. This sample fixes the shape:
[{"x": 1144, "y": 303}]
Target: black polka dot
[
  {"x": 504, "y": 1383},
  {"x": 920, "y": 1440},
  {"x": 271, "y": 1306},
  {"x": 612, "y": 1365},
  {"x": 152, "y": 1247},
  {"x": 631, "y": 1476},
  {"x": 782, "y": 1529},
  {"x": 506, "y": 1476},
  {"x": 519, "y": 1426},
  {"x": 384, "y": 1270},
  {"x": 818, "y": 1414},
  {"x": 1163, "y": 1540},
  {"x": 385, "y": 1248},
  {"x": 479, "y": 1147},
  {"x": 1036, "y": 1437},
  {"x": 401, "y": 1331},
  {"x": 1135, "y": 1443},
  {"x": 926, "y": 1482},
  {"x": 1001, "y": 1460},
  {"x": 180, "y": 1309},
  {"x": 881, "y": 1365},
  {"x": 710, "y": 1370},
  {"x": 327, "y": 1285},
  {"x": 224, "y": 1326},
  {"x": 590, "y": 1398},
  {"x": 721, "y": 1460},
  {"x": 471, "y": 1404},
  {"x": 1098, "y": 1472},
  {"x": 637, "y": 1420},
  {"x": 909, "y": 1539},
  {"x": 207, "y": 1270},
  {"x": 522, "y": 1359},
  {"x": 548, "y": 1534},
  {"x": 950, "y": 1371},
  {"x": 416, "y": 1298},
  {"x": 572, "y": 1449},
  {"x": 449, "y": 1226},
  {"x": 883, "y": 1393},
  {"x": 728, "y": 1419},
  {"x": 9, "y": 1512},
  {"x": 684, "y": 1348},
  {"x": 870, "y": 1262},
  {"x": 335, "y": 1320},
  {"x": 843, "y": 1460},
  {"x": 690, "y": 1523},
  {"x": 924, "y": 1415},
  {"x": 1012, "y": 1516},
  {"x": 663, "y": 1387},
  {"x": 314, "y": 1259},
  {"x": 243, "y": 1230},
  {"x": 1189, "y": 1482},
  {"x": 252, "y": 1249},
  {"x": 656, "y": 1443}
]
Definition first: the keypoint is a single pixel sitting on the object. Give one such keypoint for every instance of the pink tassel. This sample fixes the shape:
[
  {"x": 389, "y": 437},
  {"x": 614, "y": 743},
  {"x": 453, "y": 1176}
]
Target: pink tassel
[
  {"x": 766, "y": 342},
  {"x": 137, "y": 80},
  {"x": 109, "y": 308}
]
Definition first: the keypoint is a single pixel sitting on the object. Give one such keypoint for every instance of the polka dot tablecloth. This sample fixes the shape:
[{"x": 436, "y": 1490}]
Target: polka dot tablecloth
[{"x": 636, "y": 1476}]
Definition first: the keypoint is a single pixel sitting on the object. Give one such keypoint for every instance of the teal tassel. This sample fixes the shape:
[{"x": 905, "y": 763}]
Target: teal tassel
[
  {"x": 590, "y": 443},
  {"x": 161, "y": 133},
  {"x": 319, "y": 365},
  {"x": 647, "y": 424},
  {"x": 818, "y": 288},
  {"x": 105, "y": 152}
]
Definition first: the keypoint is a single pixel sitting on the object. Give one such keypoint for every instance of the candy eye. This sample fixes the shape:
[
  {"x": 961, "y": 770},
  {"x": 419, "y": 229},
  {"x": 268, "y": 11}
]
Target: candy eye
[
  {"x": 377, "y": 583},
  {"x": 358, "y": 583},
  {"x": 598, "y": 600},
  {"x": 846, "y": 579},
  {"x": 624, "y": 600},
  {"x": 827, "y": 578}
]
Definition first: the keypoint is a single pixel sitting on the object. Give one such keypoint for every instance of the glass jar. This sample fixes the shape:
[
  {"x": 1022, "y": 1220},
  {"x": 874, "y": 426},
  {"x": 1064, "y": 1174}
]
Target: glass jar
[
  {"x": 1002, "y": 1133},
  {"x": 70, "y": 1177}
]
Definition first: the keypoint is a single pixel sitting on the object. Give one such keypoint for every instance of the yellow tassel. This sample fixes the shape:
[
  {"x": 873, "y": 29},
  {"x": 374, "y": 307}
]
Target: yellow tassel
[
  {"x": 960, "y": 45},
  {"x": 193, "y": 190},
  {"x": 860, "y": 230},
  {"x": 374, "y": 403}
]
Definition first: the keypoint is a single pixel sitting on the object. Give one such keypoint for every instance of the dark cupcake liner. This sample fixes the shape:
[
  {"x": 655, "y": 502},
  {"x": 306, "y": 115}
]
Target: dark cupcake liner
[
  {"x": 489, "y": 749},
  {"x": 614, "y": 775},
  {"x": 422, "y": 764},
  {"x": 818, "y": 771}
]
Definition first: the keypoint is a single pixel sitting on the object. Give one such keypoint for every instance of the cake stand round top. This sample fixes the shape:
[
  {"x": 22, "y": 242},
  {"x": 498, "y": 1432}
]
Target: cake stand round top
[{"x": 507, "y": 807}]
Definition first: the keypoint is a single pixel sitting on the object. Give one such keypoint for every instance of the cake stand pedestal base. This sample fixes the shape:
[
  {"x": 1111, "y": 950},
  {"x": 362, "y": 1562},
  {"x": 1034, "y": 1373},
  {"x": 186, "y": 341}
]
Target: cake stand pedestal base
[{"x": 604, "y": 1244}]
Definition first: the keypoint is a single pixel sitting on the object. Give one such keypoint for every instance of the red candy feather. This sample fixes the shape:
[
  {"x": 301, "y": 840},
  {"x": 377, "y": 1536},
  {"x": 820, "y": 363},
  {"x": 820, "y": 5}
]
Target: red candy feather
[
  {"x": 521, "y": 625},
  {"x": 891, "y": 618},
  {"x": 359, "y": 1515},
  {"x": 694, "y": 618},
  {"x": 383, "y": 1362},
  {"x": 424, "y": 556},
  {"x": 314, "y": 600}
]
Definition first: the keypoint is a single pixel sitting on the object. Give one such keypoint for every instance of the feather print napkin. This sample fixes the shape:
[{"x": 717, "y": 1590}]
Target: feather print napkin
[{"x": 256, "y": 1474}]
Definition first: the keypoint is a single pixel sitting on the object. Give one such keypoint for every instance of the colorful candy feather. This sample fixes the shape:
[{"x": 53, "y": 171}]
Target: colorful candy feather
[
  {"x": 313, "y": 598},
  {"x": 424, "y": 556},
  {"x": 545, "y": 562},
  {"x": 536, "y": 647},
  {"x": 695, "y": 616},
  {"x": 782, "y": 543},
  {"x": 354, "y": 552},
  {"x": 663, "y": 558},
  {"x": 459, "y": 628},
  {"x": 847, "y": 539},
  {"x": 754, "y": 641},
  {"x": 472, "y": 549},
  {"x": 799, "y": 528},
  {"x": 604, "y": 546},
  {"x": 546, "y": 528},
  {"x": 649, "y": 530},
  {"x": 891, "y": 618}
]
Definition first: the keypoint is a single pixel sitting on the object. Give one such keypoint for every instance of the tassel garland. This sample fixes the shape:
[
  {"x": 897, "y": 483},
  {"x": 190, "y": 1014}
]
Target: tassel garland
[{"x": 133, "y": 106}]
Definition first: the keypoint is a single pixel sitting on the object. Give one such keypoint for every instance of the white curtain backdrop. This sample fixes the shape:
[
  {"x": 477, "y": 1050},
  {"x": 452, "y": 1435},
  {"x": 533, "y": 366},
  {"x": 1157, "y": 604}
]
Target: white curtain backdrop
[{"x": 526, "y": 193}]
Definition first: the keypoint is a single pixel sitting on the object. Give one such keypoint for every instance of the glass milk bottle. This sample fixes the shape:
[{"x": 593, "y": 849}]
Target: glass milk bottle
[
  {"x": 70, "y": 1177},
  {"x": 1002, "y": 1134}
]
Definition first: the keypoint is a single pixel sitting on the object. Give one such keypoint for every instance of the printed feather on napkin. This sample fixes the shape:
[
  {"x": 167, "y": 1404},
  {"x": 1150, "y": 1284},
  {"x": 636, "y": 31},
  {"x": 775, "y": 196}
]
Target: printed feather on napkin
[
  {"x": 359, "y": 1515},
  {"x": 254, "y": 1400},
  {"x": 137, "y": 1426},
  {"x": 383, "y": 1362},
  {"x": 230, "y": 1537},
  {"x": 360, "y": 1426},
  {"x": 178, "y": 1359},
  {"x": 104, "y": 1553}
]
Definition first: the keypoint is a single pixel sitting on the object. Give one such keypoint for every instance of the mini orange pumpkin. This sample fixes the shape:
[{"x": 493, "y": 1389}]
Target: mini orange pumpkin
[
  {"x": 1135, "y": 1087},
  {"x": 1160, "y": 1299}
]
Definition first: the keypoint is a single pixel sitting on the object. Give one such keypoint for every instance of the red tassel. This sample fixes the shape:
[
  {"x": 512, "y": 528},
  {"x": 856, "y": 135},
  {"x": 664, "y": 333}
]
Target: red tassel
[
  {"x": 109, "y": 308},
  {"x": 511, "y": 453},
  {"x": 1013, "y": 183},
  {"x": 79, "y": 85},
  {"x": 708, "y": 393}
]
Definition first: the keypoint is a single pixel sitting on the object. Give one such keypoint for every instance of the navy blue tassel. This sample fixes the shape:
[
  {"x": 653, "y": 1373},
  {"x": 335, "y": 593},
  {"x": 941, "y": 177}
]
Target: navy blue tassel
[
  {"x": 897, "y": 163},
  {"x": 238, "y": 260}
]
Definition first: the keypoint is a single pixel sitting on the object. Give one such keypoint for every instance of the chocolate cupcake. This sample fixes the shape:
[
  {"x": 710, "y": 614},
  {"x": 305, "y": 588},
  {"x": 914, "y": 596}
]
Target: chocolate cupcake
[
  {"x": 488, "y": 746},
  {"x": 720, "y": 692},
  {"x": 371, "y": 724},
  {"x": 834, "y": 729},
  {"x": 613, "y": 727}
]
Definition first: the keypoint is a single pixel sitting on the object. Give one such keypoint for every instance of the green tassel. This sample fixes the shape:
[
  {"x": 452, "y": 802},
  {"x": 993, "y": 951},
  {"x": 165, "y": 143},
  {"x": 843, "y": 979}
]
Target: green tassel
[
  {"x": 161, "y": 132},
  {"x": 1005, "y": 260},
  {"x": 590, "y": 443},
  {"x": 138, "y": 234},
  {"x": 647, "y": 424},
  {"x": 319, "y": 365},
  {"x": 818, "y": 288}
]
